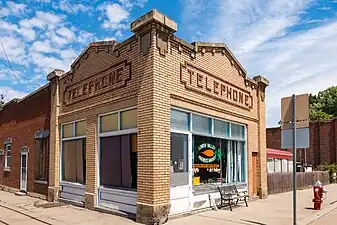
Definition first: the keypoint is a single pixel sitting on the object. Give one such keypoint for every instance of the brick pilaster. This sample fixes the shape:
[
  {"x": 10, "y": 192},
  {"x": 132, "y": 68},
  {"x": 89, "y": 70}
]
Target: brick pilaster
[
  {"x": 153, "y": 187},
  {"x": 54, "y": 141},
  {"x": 91, "y": 162},
  {"x": 262, "y": 184}
]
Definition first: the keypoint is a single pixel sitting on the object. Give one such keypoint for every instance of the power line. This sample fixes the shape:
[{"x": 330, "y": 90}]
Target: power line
[{"x": 11, "y": 67}]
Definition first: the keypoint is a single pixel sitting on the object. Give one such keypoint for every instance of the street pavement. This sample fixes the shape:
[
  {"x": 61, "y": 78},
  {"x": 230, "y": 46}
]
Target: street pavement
[
  {"x": 275, "y": 210},
  {"x": 327, "y": 219}
]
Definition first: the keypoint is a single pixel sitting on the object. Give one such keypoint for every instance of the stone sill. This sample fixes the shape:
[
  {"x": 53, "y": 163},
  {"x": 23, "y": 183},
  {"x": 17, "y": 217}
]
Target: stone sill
[
  {"x": 41, "y": 182},
  {"x": 7, "y": 169}
]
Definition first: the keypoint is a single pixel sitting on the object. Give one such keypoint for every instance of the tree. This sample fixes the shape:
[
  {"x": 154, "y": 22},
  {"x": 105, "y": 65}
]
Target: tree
[
  {"x": 323, "y": 106},
  {"x": 2, "y": 102}
]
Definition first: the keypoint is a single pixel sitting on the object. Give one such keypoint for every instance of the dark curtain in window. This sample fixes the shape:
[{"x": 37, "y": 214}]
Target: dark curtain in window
[
  {"x": 118, "y": 161},
  {"x": 126, "y": 161},
  {"x": 110, "y": 155}
]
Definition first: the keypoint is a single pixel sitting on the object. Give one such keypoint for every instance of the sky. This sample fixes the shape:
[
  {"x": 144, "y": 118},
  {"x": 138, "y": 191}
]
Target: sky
[{"x": 292, "y": 43}]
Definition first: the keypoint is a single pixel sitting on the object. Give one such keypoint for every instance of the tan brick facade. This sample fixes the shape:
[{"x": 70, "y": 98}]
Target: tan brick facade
[{"x": 155, "y": 74}]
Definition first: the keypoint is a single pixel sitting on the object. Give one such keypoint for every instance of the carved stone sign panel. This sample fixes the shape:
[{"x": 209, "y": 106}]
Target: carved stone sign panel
[
  {"x": 205, "y": 83},
  {"x": 110, "y": 79}
]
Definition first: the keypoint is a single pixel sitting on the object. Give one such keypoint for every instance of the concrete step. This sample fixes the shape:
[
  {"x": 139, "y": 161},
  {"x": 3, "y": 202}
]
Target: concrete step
[{"x": 20, "y": 193}]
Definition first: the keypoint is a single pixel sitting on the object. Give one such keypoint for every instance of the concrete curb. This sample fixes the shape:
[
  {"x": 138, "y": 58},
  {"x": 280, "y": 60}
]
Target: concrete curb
[{"x": 318, "y": 215}]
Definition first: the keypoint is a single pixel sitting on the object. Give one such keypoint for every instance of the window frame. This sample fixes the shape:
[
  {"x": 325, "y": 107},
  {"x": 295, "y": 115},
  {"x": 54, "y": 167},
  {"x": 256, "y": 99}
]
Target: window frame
[
  {"x": 45, "y": 143},
  {"x": 74, "y": 137},
  {"x": 6, "y": 155},
  {"x": 119, "y": 132},
  {"x": 229, "y": 138}
]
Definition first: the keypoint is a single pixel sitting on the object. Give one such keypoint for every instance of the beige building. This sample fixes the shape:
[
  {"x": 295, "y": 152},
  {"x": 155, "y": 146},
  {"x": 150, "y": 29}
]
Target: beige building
[{"x": 151, "y": 125}]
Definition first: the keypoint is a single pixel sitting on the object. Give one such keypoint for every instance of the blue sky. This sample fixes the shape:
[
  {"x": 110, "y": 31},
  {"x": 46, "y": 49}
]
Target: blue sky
[{"x": 292, "y": 43}]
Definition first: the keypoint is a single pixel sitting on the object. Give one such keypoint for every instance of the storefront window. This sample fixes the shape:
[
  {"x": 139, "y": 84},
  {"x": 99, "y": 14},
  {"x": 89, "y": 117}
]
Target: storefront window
[
  {"x": 179, "y": 159},
  {"x": 179, "y": 120},
  {"x": 221, "y": 128},
  {"x": 73, "y": 159},
  {"x": 218, "y": 160},
  {"x": 73, "y": 152},
  {"x": 218, "y": 149},
  {"x": 118, "y": 153},
  {"x": 201, "y": 124},
  {"x": 118, "y": 161},
  {"x": 206, "y": 160}
]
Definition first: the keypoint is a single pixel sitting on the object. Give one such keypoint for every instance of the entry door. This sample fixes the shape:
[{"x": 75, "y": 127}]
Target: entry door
[
  {"x": 181, "y": 177},
  {"x": 23, "y": 179},
  {"x": 254, "y": 158}
]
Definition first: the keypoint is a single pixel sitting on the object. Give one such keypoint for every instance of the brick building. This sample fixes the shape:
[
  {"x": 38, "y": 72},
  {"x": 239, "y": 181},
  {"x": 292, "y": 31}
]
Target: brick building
[
  {"x": 323, "y": 143},
  {"x": 24, "y": 131},
  {"x": 150, "y": 125}
]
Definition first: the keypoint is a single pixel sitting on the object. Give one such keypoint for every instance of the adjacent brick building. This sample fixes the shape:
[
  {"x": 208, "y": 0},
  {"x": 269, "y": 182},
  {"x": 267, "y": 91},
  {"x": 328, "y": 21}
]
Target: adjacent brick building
[
  {"x": 323, "y": 143},
  {"x": 24, "y": 130},
  {"x": 150, "y": 125}
]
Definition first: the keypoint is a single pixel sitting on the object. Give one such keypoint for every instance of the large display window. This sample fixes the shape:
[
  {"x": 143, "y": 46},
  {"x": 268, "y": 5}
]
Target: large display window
[
  {"x": 118, "y": 149},
  {"x": 73, "y": 141},
  {"x": 218, "y": 149}
]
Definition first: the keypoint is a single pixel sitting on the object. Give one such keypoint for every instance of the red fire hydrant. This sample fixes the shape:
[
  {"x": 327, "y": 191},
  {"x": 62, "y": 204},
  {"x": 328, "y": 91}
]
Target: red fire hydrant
[{"x": 318, "y": 195}]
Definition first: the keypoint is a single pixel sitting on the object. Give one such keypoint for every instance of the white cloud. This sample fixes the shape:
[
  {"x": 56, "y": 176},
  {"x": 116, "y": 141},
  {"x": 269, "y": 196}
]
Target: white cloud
[
  {"x": 42, "y": 46},
  {"x": 116, "y": 14},
  {"x": 68, "y": 54},
  {"x": 66, "y": 33},
  {"x": 56, "y": 39},
  {"x": 29, "y": 34},
  {"x": 13, "y": 9},
  {"x": 85, "y": 37},
  {"x": 8, "y": 28},
  {"x": 15, "y": 50},
  {"x": 109, "y": 39},
  {"x": 48, "y": 63},
  {"x": 42, "y": 20},
  {"x": 268, "y": 38},
  {"x": 67, "y": 6},
  {"x": 132, "y": 3},
  {"x": 50, "y": 18},
  {"x": 11, "y": 93},
  {"x": 43, "y": 1}
]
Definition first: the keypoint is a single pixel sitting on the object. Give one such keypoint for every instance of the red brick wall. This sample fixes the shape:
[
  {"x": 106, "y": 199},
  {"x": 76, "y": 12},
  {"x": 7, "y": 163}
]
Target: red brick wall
[
  {"x": 323, "y": 143},
  {"x": 19, "y": 121}
]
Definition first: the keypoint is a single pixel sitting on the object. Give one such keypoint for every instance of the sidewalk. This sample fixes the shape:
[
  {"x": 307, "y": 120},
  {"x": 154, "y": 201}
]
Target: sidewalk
[
  {"x": 275, "y": 210},
  {"x": 18, "y": 210}
]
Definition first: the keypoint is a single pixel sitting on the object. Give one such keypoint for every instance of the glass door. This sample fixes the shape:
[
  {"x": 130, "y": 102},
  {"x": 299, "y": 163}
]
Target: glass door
[
  {"x": 181, "y": 178},
  {"x": 23, "y": 179}
]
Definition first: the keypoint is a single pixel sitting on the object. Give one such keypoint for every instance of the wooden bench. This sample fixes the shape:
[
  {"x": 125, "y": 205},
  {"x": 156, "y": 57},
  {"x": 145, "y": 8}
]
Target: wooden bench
[
  {"x": 229, "y": 193},
  {"x": 242, "y": 189}
]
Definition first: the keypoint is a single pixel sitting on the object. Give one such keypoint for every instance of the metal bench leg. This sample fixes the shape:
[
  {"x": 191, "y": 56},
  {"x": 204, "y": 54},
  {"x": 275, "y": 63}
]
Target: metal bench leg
[
  {"x": 237, "y": 201},
  {"x": 246, "y": 202},
  {"x": 230, "y": 205}
]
